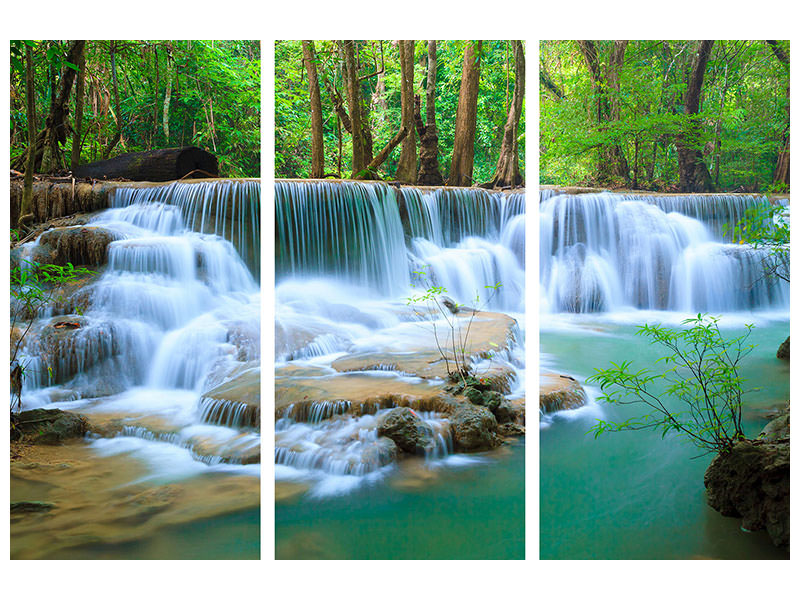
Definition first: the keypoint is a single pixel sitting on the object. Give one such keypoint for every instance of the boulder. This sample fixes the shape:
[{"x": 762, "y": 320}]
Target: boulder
[
  {"x": 404, "y": 427},
  {"x": 47, "y": 426},
  {"x": 752, "y": 482},
  {"x": 380, "y": 454},
  {"x": 85, "y": 245},
  {"x": 783, "y": 351},
  {"x": 474, "y": 428}
]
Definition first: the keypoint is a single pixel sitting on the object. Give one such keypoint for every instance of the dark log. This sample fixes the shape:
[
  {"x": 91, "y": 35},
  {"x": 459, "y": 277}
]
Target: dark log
[{"x": 167, "y": 164}]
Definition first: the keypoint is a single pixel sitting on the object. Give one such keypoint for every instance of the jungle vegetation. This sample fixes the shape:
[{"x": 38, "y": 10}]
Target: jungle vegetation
[
  {"x": 690, "y": 116},
  {"x": 87, "y": 100},
  {"x": 421, "y": 112}
]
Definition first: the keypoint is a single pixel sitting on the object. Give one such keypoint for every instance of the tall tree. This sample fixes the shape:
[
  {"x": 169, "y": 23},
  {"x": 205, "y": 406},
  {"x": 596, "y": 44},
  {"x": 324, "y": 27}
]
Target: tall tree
[
  {"x": 466, "y": 117},
  {"x": 75, "y": 158},
  {"x": 115, "y": 139},
  {"x": 317, "y": 148},
  {"x": 605, "y": 78},
  {"x": 26, "y": 211},
  {"x": 782, "y": 166},
  {"x": 429, "y": 173},
  {"x": 407, "y": 165},
  {"x": 47, "y": 148},
  {"x": 507, "y": 173},
  {"x": 693, "y": 173},
  {"x": 362, "y": 148}
]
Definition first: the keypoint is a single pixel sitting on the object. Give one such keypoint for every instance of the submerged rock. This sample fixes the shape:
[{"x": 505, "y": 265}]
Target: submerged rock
[
  {"x": 752, "y": 482},
  {"x": 404, "y": 427},
  {"x": 31, "y": 507},
  {"x": 474, "y": 428},
  {"x": 783, "y": 351},
  {"x": 47, "y": 426}
]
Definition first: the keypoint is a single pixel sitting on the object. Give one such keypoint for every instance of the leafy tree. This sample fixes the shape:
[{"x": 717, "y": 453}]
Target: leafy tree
[{"x": 701, "y": 399}]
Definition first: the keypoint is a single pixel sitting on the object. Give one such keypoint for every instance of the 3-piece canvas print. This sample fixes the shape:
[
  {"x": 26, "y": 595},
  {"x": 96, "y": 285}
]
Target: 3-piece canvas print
[{"x": 404, "y": 313}]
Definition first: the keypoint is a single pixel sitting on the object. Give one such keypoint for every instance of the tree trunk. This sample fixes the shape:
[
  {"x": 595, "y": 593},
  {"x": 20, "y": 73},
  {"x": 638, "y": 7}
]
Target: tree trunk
[
  {"x": 317, "y": 148},
  {"x": 25, "y": 211},
  {"x": 466, "y": 117},
  {"x": 47, "y": 150},
  {"x": 429, "y": 173},
  {"x": 167, "y": 98},
  {"x": 692, "y": 170},
  {"x": 167, "y": 164},
  {"x": 407, "y": 164},
  {"x": 362, "y": 146},
  {"x": 782, "y": 165},
  {"x": 118, "y": 116},
  {"x": 507, "y": 173},
  {"x": 75, "y": 159},
  {"x": 607, "y": 108}
]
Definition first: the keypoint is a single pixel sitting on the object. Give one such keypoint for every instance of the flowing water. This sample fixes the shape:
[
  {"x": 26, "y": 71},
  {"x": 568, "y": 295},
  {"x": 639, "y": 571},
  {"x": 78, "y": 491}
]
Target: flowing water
[
  {"x": 164, "y": 361},
  {"x": 349, "y": 346},
  {"x": 609, "y": 263}
]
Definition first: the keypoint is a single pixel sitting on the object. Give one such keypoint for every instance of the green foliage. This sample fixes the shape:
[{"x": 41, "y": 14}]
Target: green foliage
[
  {"x": 765, "y": 226},
  {"x": 215, "y": 97},
  {"x": 293, "y": 112},
  {"x": 739, "y": 128},
  {"x": 696, "y": 395},
  {"x": 432, "y": 306},
  {"x": 33, "y": 287}
]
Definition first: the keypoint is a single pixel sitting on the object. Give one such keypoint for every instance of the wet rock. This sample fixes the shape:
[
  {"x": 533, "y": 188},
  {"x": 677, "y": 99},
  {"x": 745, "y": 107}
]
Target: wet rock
[
  {"x": 404, "y": 427},
  {"x": 752, "y": 482},
  {"x": 77, "y": 245},
  {"x": 559, "y": 392},
  {"x": 380, "y": 454},
  {"x": 48, "y": 426},
  {"x": 510, "y": 430},
  {"x": 505, "y": 412},
  {"x": 783, "y": 351},
  {"x": 474, "y": 428}
]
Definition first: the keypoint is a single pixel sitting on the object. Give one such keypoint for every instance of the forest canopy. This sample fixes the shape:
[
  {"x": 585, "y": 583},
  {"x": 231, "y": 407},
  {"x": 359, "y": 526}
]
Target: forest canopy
[
  {"x": 694, "y": 115},
  {"x": 97, "y": 99},
  {"x": 409, "y": 134}
]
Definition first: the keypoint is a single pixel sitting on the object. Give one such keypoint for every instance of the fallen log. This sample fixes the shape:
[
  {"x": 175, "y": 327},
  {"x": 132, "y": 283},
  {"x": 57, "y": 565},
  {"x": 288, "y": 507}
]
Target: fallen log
[{"x": 167, "y": 164}]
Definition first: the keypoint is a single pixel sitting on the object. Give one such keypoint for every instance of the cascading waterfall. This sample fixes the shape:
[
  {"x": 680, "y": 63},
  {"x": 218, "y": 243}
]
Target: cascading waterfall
[
  {"x": 173, "y": 315},
  {"x": 348, "y": 256},
  {"x": 608, "y": 252}
]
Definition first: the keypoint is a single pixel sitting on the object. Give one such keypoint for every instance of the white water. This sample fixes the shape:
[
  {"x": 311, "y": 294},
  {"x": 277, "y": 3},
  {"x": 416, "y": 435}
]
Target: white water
[
  {"x": 173, "y": 314},
  {"x": 346, "y": 257},
  {"x": 614, "y": 253}
]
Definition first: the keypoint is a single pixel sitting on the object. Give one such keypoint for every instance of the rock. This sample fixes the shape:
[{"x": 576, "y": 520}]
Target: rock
[
  {"x": 510, "y": 430},
  {"x": 473, "y": 428},
  {"x": 49, "y": 426},
  {"x": 505, "y": 412},
  {"x": 783, "y": 351},
  {"x": 31, "y": 507},
  {"x": 752, "y": 482},
  {"x": 404, "y": 427},
  {"x": 86, "y": 245},
  {"x": 559, "y": 392},
  {"x": 776, "y": 430},
  {"x": 380, "y": 454}
]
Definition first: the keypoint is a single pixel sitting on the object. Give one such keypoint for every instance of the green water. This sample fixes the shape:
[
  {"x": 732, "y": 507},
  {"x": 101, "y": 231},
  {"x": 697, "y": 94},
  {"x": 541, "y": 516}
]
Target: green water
[
  {"x": 475, "y": 512},
  {"x": 632, "y": 495},
  {"x": 234, "y": 536}
]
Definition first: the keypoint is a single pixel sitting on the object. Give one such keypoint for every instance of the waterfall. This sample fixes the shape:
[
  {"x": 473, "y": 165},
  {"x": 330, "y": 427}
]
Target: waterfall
[
  {"x": 375, "y": 236},
  {"x": 349, "y": 255},
  {"x": 173, "y": 313},
  {"x": 604, "y": 252}
]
